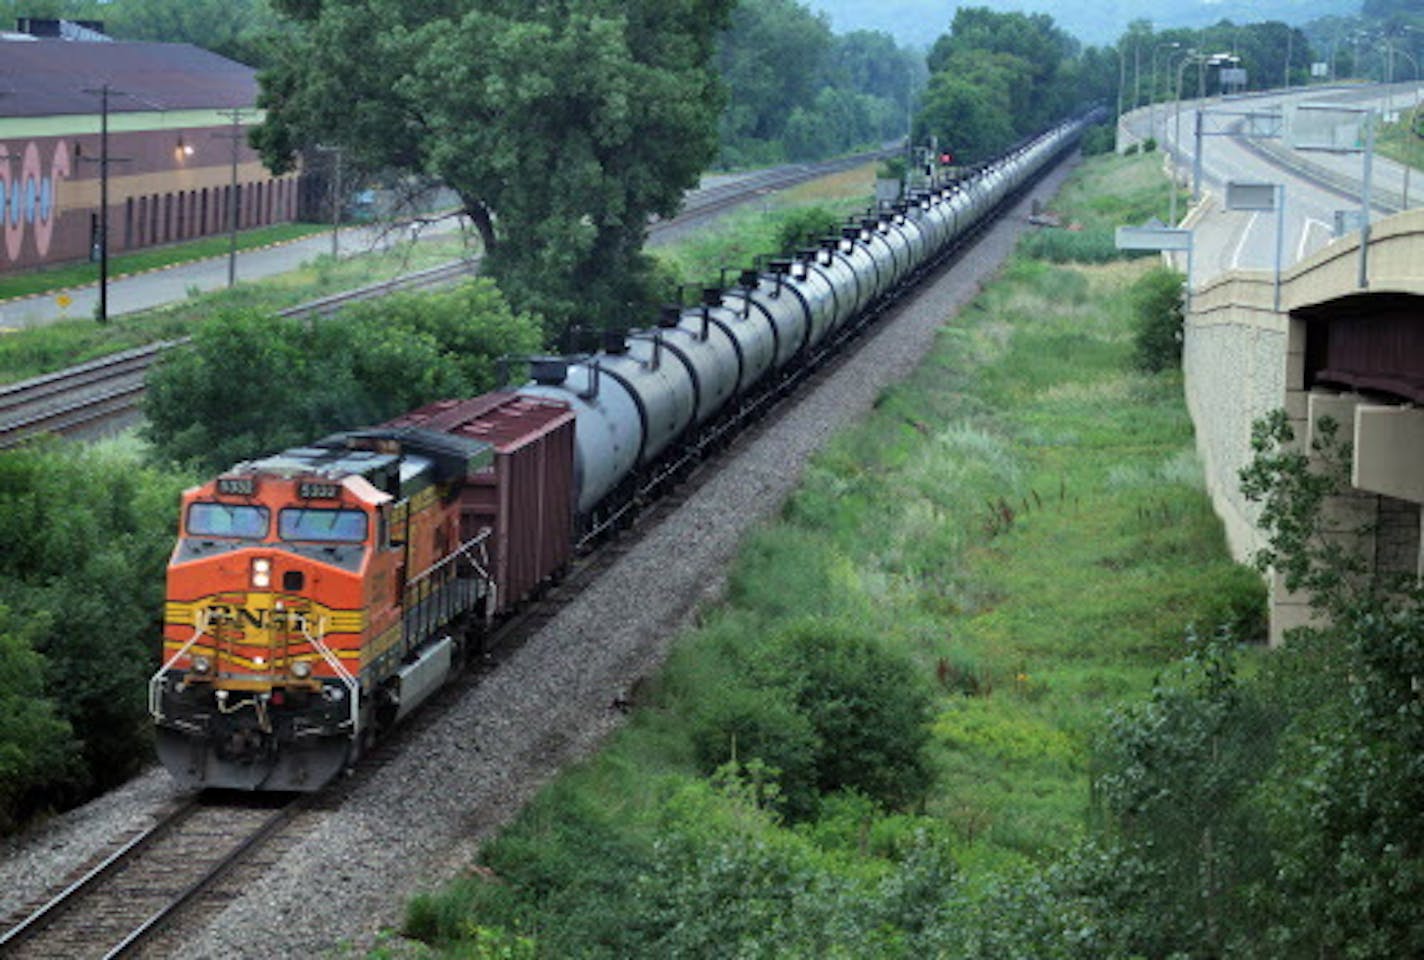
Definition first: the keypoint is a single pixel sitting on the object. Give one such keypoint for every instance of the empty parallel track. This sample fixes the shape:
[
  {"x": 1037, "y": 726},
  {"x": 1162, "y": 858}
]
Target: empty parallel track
[
  {"x": 126, "y": 898},
  {"x": 90, "y": 395}
]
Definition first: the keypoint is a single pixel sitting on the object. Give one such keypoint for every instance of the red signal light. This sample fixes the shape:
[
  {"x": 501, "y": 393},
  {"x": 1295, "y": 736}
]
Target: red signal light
[{"x": 946, "y": 158}]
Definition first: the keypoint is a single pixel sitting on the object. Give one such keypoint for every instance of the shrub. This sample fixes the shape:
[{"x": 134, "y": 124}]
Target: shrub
[
  {"x": 830, "y": 710},
  {"x": 804, "y": 223},
  {"x": 373, "y": 363},
  {"x": 1157, "y": 324},
  {"x": 1101, "y": 138}
]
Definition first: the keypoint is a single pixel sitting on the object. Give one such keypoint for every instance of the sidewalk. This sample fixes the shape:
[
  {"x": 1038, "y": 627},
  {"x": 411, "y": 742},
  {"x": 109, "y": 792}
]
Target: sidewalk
[{"x": 156, "y": 288}]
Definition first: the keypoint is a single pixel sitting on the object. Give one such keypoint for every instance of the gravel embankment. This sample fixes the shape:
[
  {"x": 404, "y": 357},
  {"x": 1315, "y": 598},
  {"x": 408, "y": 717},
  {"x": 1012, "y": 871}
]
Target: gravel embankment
[{"x": 420, "y": 819}]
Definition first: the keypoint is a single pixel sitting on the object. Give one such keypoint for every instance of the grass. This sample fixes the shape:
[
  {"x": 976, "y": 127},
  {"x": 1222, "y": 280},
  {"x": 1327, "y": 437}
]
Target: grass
[
  {"x": 42, "y": 348},
  {"x": 1022, "y": 518},
  {"x": 82, "y": 274},
  {"x": 735, "y": 240},
  {"x": 1396, "y": 141},
  {"x": 1111, "y": 191}
]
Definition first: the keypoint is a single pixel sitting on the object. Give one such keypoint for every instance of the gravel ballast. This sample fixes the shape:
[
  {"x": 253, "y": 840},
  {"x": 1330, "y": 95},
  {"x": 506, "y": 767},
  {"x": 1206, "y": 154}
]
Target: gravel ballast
[{"x": 419, "y": 820}]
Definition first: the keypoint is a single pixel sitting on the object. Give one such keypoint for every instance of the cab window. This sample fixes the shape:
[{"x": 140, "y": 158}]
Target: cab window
[
  {"x": 322, "y": 526},
  {"x": 239, "y": 521}
]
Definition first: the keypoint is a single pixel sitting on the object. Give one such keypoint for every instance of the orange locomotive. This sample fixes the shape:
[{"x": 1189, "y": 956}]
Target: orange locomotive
[
  {"x": 316, "y": 596},
  {"x": 300, "y": 588}
]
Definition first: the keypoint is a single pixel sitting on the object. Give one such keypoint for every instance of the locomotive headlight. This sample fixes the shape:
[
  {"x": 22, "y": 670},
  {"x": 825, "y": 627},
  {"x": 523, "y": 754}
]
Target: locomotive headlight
[
  {"x": 261, "y": 573},
  {"x": 301, "y": 669},
  {"x": 202, "y": 664}
]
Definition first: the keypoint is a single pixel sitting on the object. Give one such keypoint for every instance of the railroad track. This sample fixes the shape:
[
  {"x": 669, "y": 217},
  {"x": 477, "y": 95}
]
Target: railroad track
[
  {"x": 133, "y": 893},
  {"x": 107, "y": 391}
]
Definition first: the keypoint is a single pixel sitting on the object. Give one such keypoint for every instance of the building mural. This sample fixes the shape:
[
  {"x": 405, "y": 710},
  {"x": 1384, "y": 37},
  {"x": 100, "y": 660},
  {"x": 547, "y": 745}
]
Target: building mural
[{"x": 29, "y": 190}]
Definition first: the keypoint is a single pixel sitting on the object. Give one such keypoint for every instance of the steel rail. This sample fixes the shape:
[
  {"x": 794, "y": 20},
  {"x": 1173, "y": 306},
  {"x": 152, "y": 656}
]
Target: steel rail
[
  {"x": 115, "y": 869},
  {"x": 106, "y": 867},
  {"x": 155, "y": 922}
]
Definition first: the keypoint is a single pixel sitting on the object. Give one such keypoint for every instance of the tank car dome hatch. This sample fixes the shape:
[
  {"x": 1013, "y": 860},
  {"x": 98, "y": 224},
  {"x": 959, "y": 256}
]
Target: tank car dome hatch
[
  {"x": 669, "y": 316},
  {"x": 549, "y": 370}
]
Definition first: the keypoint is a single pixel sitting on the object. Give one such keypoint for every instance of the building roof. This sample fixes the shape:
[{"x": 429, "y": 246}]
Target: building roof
[{"x": 44, "y": 78}]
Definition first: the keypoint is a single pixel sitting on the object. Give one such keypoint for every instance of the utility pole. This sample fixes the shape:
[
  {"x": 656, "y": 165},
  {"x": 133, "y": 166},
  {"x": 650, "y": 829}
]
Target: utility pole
[
  {"x": 235, "y": 136},
  {"x": 102, "y": 242}
]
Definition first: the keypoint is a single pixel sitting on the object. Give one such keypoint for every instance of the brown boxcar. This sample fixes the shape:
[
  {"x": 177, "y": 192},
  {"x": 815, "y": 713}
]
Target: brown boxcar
[{"x": 527, "y": 497}]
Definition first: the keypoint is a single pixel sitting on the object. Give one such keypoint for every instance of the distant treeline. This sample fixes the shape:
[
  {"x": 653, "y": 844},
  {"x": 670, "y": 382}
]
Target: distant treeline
[{"x": 796, "y": 91}]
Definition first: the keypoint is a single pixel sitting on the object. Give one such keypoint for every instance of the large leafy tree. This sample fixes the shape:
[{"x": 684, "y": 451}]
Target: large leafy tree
[
  {"x": 562, "y": 126},
  {"x": 996, "y": 77}
]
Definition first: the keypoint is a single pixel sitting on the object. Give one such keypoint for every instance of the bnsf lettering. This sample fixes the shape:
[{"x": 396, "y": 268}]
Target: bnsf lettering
[{"x": 257, "y": 619}]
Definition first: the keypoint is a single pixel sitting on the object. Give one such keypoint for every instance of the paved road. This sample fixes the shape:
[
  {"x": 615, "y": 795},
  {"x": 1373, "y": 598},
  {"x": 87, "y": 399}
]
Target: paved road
[
  {"x": 148, "y": 290},
  {"x": 1228, "y": 240}
]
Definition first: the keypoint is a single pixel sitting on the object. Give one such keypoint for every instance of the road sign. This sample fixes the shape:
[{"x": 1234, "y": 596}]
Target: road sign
[
  {"x": 1244, "y": 195},
  {"x": 1153, "y": 238},
  {"x": 1348, "y": 221},
  {"x": 1323, "y": 126}
]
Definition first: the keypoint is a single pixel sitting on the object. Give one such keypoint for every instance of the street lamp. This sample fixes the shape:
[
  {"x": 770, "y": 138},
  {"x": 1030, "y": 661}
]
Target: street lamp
[
  {"x": 1152, "y": 104},
  {"x": 1177, "y": 134}
]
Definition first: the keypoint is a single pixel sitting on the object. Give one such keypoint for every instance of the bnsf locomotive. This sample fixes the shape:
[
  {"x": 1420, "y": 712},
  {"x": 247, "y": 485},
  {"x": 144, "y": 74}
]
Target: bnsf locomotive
[{"x": 317, "y": 596}]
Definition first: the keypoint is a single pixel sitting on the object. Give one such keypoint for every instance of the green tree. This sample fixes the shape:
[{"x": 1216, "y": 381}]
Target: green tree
[
  {"x": 1349, "y": 806},
  {"x": 86, "y": 537},
  {"x": 1029, "y": 49},
  {"x": 562, "y": 126},
  {"x": 1157, "y": 320},
  {"x": 37, "y": 747},
  {"x": 1178, "y": 784},
  {"x": 970, "y": 118},
  {"x": 237, "y": 29},
  {"x": 376, "y": 361}
]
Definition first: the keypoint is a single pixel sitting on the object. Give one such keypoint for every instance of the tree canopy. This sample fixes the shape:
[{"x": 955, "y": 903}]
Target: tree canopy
[
  {"x": 798, "y": 92},
  {"x": 562, "y": 126},
  {"x": 997, "y": 77}
]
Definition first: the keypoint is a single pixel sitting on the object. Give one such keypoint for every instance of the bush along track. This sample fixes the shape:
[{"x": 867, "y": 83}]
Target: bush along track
[{"x": 884, "y": 741}]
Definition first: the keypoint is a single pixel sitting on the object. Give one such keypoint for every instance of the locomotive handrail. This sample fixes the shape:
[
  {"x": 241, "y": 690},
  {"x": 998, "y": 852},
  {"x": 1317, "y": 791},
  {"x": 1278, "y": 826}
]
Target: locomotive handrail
[
  {"x": 339, "y": 668},
  {"x": 155, "y": 683}
]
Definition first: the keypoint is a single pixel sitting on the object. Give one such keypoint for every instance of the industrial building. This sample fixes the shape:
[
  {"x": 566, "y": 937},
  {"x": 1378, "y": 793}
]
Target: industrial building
[{"x": 178, "y": 164}]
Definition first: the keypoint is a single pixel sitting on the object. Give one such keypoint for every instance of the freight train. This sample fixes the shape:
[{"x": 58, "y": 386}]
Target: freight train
[{"x": 315, "y": 597}]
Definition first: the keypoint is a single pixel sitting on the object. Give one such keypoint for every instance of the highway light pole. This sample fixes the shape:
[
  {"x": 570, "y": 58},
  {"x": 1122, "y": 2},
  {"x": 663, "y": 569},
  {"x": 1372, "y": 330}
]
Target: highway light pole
[
  {"x": 1177, "y": 134},
  {"x": 1152, "y": 104}
]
